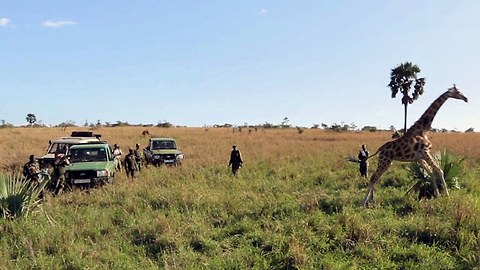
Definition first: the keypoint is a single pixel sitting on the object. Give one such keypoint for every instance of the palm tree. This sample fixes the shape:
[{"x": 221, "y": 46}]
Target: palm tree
[{"x": 401, "y": 79}]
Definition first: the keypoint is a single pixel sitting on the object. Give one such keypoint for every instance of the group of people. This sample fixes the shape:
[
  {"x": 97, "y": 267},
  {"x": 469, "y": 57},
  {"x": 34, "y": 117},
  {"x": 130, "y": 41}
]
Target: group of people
[
  {"x": 236, "y": 160},
  {"x": 132, "y": 164},
  {"x": 133, "y": 161},
  {"x": 31, "y": 171}
]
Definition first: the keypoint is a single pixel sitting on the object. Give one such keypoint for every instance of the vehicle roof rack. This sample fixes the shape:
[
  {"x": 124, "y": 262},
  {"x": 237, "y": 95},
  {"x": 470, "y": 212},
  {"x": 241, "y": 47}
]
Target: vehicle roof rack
[
  {"x": 84, "y": 133},
  {"x": 96, "y": 142}
]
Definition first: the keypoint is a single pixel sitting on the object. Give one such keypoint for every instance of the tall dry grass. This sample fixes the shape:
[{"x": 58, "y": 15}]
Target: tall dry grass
[
  {"x": 295, "y": 205},
  {"x": 208, "y": 146}
]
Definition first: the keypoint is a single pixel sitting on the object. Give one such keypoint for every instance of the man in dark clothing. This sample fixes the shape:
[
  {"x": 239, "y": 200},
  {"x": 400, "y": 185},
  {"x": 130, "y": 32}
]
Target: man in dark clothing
[
  {"x": 362, "y": 159},
  {"x": 60, "y": 163},
  {"x": 31, "y": 169},
  {"x": 235, "y": 160},
  {"x": 130, "y": 164},
  {"x": 138, "y": 156}
]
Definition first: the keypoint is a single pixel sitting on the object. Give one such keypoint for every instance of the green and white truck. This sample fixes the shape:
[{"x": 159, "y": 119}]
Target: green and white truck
[{"x": 91, "y": 164}]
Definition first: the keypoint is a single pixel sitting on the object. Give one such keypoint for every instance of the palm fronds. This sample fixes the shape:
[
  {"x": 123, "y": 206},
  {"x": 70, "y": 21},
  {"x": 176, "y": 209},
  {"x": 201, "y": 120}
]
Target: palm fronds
[
  {"x": 451, "y": 166},
  {"x": 19, "y": 196}
]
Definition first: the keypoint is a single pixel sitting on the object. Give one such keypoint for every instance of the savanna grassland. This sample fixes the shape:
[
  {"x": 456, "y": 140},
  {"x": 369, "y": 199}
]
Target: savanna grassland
[{"x": 296, "y": 204}]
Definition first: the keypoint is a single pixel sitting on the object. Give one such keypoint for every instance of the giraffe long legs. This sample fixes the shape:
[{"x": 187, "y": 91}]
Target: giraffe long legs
[
  {"x": 424, "y": 165},
  {"x": 381, "y": 168},
  {"x": 439, "y": 172}
]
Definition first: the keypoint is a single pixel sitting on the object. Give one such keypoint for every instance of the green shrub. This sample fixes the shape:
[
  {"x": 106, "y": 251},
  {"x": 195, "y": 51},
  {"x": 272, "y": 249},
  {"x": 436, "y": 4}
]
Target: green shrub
[
  {"x": 19, "y": 196},
  {"x": 451, "y": 166}
]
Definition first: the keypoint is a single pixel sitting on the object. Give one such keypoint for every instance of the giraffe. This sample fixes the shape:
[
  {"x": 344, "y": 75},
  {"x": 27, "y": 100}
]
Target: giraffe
[{"x": 414, "y": 146}]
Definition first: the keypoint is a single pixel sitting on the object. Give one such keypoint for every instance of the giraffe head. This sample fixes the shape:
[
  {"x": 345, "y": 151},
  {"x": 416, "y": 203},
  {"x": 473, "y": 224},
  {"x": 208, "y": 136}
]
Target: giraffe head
[{"x": 453, "y": 92}]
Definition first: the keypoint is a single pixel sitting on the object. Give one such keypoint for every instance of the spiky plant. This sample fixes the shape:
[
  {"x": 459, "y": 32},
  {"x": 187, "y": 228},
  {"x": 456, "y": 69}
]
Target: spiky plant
[
  {"x": 451, "y": 166},
  {"x": 19, "y": 196}
]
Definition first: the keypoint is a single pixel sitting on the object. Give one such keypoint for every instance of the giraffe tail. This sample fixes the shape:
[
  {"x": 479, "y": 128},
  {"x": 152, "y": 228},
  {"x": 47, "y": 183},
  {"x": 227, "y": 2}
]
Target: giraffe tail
[
  {"x": 352, "y": 159},
  {"x": 374, "y": 154}
]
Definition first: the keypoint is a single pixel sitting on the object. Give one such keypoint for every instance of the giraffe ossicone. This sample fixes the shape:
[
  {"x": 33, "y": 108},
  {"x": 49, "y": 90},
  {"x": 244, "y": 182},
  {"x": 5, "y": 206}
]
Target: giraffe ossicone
[{"x": 414, "y": 146}]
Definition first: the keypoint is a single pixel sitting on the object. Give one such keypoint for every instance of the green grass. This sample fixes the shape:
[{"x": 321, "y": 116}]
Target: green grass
[{"x": 300, "y": 211}]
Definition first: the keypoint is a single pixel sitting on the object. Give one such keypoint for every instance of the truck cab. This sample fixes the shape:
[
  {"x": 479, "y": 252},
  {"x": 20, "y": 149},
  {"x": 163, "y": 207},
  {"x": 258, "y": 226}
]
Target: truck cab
[
  {"x": 163, "y": 151},
  {"x": 91, "y": 164},
  {"x": 63, "y": 144}
]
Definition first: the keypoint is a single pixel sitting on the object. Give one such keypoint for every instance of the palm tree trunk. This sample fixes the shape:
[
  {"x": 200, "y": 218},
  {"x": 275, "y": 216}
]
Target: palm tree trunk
[{"x": 405, "y": 123}]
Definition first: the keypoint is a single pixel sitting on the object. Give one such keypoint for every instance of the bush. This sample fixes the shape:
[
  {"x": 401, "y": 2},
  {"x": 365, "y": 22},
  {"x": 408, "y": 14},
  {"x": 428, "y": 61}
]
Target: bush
[
  {"x": 19, "y": 196},
  {"x": 451, "y": 166}
]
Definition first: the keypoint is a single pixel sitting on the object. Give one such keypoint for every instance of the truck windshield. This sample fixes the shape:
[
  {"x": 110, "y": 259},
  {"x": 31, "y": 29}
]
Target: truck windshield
[
  {"x": 60, "y": 147},
  {"x": 88, "y": 155},
  {"x": 157, "y": 145}
]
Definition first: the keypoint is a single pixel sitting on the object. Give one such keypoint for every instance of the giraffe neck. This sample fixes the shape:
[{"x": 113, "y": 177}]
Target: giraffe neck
[{"x": 424, "y": 123}]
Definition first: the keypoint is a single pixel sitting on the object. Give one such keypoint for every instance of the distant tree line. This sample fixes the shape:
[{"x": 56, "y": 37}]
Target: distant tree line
[{"x": 284, "y": 124}]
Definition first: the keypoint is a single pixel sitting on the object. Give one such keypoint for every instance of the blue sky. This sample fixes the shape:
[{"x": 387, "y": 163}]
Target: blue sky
[{"x": 199, "y": 63}]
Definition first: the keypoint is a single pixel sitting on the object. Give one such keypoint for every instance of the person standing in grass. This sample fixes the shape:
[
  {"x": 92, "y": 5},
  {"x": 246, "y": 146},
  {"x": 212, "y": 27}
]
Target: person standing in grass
[
  {"x": 138, "y": 156},
  {"x": 235, "y": 159},
  {"x": 117, "y": 153},
  {"x": 130, "y": 163},
  {"x": 31, "y": 169},
  {"x": 363, "y": 160},
  {"x": 61, "y": 161}
]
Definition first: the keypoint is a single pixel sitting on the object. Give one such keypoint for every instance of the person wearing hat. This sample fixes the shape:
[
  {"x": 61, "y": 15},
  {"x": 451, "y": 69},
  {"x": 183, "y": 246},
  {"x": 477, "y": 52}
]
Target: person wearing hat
[
  {"x": 31, "y": 169},
  {"x": 61, "y": 161},
  {"x": 130, "y": 164},
  {"x": 363, "y": 160},
  {"x": 235, "y": 159},
  {"x": 117, "y": 153},
  {"x": 138, "y": 156}
]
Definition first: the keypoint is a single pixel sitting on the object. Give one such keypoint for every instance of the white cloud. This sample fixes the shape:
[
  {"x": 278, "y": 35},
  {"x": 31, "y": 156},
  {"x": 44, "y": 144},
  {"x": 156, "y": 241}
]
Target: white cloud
[
  {"x": 56, "y": 24},
  {"x": 263, "y": 11},
  {"x": 4, "y": 21}
]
